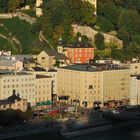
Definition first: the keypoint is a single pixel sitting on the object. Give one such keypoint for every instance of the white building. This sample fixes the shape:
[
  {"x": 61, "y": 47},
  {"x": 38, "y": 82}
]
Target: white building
[
  {"x": 22, "y": 83},
  {"x": 135, "y": 90}
]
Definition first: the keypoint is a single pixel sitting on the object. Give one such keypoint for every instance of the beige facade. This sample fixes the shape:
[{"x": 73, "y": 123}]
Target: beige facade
[
  {"x": 24, "y": 84},
  {"x": 135, "y": 90},
  {"x": 9, "y": 63},
  {"x": 135, "y": 68},
  {"x": 43, "y": 88},
  {"x": 45, "y": 60},
  {"x": 39, "y": 3},
  {"x": 34, "y": 88},
  {"x": 91, "y": 85},
  {"x": 39, "y": 12},
  {"x": 48, "y": 57},
  {"x": 21, "y": 105},
  {"x": 116, "y": 85}
]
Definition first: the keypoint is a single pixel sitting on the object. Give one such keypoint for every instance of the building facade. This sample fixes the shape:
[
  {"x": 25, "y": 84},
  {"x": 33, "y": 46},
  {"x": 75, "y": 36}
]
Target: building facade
[
  {"x": 14, "y": 102},
  {"x": 79, "y": 54},
  {"x": 135, "y": 90},
  {"x": 88, "y": 85},
  {"x": 48, "y": 58},
  {"x": 9, "y": 63},
  {"x": 22, "y": 83},
  {"x": 43, "y": 88}
]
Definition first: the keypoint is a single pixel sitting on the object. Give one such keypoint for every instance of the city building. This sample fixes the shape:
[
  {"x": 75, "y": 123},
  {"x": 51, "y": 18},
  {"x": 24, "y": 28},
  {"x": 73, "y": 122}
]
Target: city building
[
  {"x": 14, "y": 102},
  {"x": 43, "y": 88},
  {"x": 10, "y": 63},
  {"x": 134, "y": 68},
  {"x": 22, "y": 83},
  {"x": 135, "y": 90},
  {"x": 34, "y": 87},
  {"x": 79, "y": 53},
  {"x": 52, "y": 73},
  {"x": 87, "y": 84},
  {"x": 39, "y": 11},
  {"x": 5, "y": 53},
  {"x": 49, "y": 58}
]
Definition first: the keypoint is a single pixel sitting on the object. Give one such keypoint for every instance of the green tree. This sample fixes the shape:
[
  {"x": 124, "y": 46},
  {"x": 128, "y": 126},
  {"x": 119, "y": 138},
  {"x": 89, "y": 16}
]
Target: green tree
[
  {"x": 124, "y": 35},
  {"x": 13, "y": 5},
  {"x": 99, "y": 41}
]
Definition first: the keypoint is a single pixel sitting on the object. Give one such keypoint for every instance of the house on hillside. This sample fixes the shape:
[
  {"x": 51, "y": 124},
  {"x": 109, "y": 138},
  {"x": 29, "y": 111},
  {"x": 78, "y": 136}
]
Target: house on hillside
[{"x": 49, "y": 58}]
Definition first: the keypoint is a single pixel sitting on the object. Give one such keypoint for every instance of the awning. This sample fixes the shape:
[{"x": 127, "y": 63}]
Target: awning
[
  {"x": 43, "y": 103},
  {"x": 48, "y": 102}
]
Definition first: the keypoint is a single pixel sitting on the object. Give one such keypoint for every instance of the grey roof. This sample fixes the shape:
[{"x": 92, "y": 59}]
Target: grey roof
[
  {"x": 10, "y": 99},
  {"x": 92, "y": 68},
  {"x": 52, "y": 52},
  {"x": 79, "y": 45},
  {"x": 22, "y": 57},
  {"x": 7, "y": 63},
  {"x": 38, "y": 69},
  {"x": 80, "y": 67}
]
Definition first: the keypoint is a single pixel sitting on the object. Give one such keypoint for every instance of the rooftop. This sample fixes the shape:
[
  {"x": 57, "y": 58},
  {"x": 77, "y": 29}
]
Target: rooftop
[
  {"x": 42, "y": 76},
  {"x": 52, "y": 52},
  {"x": 38, "y": 69},
  {"x": 78, "y": 67},
  {"x": 52, "y": 70},
  {"x": 79, "y": 45},
  {"x": 92, "y": 68}
]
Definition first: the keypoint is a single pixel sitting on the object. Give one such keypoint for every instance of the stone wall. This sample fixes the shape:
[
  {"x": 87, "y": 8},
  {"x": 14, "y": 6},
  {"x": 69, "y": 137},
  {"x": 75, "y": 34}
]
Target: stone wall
[{"x": 90, "y": 33}]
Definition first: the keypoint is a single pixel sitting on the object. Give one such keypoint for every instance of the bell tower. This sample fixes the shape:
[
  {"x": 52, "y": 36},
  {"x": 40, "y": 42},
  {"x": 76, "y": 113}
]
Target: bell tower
[{"x": 60, "y": 45}]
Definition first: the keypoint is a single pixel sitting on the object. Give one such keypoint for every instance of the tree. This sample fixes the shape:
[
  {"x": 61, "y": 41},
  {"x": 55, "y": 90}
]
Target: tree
[
  {"x": 99, "y": 41},
  {"x": 124, "y": 35},
  {"x": 4, "y": 5},
  {"x": 13, "y": 5},
  {"x": 87, "y": 14}
]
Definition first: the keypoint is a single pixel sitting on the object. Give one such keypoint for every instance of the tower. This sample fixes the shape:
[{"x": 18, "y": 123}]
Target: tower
[
  {"x": 60, "y": 45},
  {"x": 39, "y": 3},
  {"x": 39, "y": 12}
]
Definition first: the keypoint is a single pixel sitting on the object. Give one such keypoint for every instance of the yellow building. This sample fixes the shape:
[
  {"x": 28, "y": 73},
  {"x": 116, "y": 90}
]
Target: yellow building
[
  {"x": 135, "y": 90},
  {"x": 43, "y": 88},
  {"x": 32, "y": 87},
  {"x": 88, "y": 85},
  {"x": 23, "y": 83},
  {"x": 134, "y": 68},
  {"x": 48, "y": 58}
]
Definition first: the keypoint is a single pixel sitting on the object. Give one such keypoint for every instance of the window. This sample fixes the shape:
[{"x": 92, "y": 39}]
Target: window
[
  {"x": 136, "y": 67},
  {"x": 43, "y": 59}
]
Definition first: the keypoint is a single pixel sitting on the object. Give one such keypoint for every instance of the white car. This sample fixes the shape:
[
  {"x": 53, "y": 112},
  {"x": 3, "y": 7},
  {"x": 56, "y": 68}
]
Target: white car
[{"x": 115, "y": 112}]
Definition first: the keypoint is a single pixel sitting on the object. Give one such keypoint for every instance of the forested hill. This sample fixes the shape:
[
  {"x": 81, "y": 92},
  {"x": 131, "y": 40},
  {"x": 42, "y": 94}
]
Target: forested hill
[{"x": 120, "y": 17}]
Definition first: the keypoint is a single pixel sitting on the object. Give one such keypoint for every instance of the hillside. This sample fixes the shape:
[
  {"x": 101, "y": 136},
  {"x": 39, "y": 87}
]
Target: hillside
[
  {"x": 120, "y": 17},
  {"x": 17, "y": 36}
]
